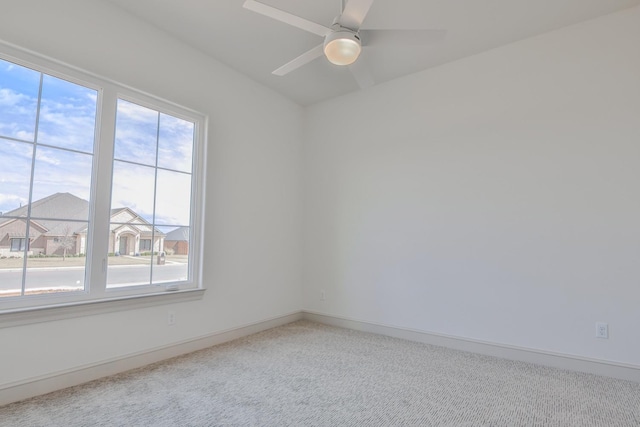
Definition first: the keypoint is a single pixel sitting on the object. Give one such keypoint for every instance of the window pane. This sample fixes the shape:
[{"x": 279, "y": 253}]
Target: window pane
[
  {"x": 56, "y": 261},
  {"x": 174, "y": 270},
  {"x": 19, "y": 88},
  {"x": 15, "y": 176},
  {"x": 127, "y": 266},
  {"x": 136, "y": 133},
  {"x": 150, "y": 201},
  {"x": 133, "y": 187},
  {"x": 10, "y": 271},
  {"x": 173, "y": 198},
  {"x": 51, "y": 275},
  {"x": 52, "y": 230},
  {"x": 60, "y": 171},
  {"x": 176, "y": 247},
  {"x": 175, "y": 143},
  {"x": 67, "y": 115}
]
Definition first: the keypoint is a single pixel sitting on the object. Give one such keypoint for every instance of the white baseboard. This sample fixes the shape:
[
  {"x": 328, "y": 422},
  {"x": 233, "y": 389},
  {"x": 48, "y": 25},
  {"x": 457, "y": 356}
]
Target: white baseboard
[
  {"x": 31, "y": 387},
  {"x": 556, "y": 360}
]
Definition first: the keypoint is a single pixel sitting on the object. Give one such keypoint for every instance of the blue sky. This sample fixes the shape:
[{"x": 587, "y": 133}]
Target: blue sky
[
  {"x": 139, "y": 131},
  {"x": 67, "y": 120},
  {"x": 66, "y": 123}
]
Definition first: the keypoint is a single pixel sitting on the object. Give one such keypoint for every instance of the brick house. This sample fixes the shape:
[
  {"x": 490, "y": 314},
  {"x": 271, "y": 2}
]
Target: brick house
[
  {"x": 129, "y": 232},
  {"x": 178, "y": 241}
]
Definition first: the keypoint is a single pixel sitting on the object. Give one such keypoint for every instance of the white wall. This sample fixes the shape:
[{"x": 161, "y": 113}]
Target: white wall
[
  {"x": 495, "y": 198},
  {"x": 252, "y": 262}
]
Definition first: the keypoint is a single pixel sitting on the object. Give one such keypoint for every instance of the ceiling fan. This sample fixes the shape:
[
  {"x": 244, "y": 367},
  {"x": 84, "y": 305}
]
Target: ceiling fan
[{"x": 344, "y": 40}]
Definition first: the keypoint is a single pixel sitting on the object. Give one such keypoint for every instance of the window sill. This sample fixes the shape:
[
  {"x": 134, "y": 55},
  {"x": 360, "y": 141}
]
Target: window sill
[{"x": 26, "y": 316}]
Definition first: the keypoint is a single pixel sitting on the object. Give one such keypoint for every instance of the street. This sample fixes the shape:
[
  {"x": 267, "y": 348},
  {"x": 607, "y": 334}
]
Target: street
[{"x": 46, "y": 278}]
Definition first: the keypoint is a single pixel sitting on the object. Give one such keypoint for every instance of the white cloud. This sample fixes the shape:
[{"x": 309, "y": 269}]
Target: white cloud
[
  {"x": 68, "y": 122},
  {"x": 25, "y": 136},
  {"x": 10, "y": 98},
  {"x": 9, "y": 202},
  {"x": 48, "y": 159},
  {"x": 129, "y": 111},
  {"x": 17, "y": 114},
  {"x": 133, "y": 187}
]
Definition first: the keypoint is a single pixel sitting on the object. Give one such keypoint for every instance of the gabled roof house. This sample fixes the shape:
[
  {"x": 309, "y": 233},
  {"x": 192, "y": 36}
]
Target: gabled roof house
[
  {"x": 177, "y": 241},
  {"x": 59, "y": 222},
  {"x": 131, "y": 234}
]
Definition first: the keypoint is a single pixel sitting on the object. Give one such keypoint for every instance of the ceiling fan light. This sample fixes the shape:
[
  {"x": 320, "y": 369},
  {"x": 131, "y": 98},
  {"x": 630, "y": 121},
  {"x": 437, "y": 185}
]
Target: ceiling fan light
[{"x": 342, "y": 47}]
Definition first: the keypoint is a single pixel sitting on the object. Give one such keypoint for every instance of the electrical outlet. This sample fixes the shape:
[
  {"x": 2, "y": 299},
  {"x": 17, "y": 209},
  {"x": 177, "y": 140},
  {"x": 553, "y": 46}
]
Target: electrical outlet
[
  {"x": 602, "y": 330},
  {"x": 171, "y": 318},
  {"x": 322, "y": 298}
]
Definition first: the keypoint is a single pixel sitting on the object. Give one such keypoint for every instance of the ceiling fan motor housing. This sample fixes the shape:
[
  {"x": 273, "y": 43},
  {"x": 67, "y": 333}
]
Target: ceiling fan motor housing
[{"x": 342, "y": 46}]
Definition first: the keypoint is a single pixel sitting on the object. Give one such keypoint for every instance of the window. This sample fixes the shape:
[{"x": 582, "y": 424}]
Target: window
[
  {"x": 145, "y": 245},
  {"x": 95, "y": 219},
  {"x": 18, "y": 245},
  {"x": 151, "y": 191},
  {"x": 47, "y": 128}
]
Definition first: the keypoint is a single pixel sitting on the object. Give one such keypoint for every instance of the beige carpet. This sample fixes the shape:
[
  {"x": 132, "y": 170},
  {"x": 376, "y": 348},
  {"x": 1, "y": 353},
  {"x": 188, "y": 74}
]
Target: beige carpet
[{"x": 307, "y": 374}]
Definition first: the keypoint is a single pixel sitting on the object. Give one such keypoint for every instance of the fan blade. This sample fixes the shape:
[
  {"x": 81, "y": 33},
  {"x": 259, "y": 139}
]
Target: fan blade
[
  {"x": 401, "y": 37},
  {"x": 286, "y": 17},
  {"x": 360, "y": 71},
  {"x": 354, "y": 13},
  {"x": 301, "y": 60}
]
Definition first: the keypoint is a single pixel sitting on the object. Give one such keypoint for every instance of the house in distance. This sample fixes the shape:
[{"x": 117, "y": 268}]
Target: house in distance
[
  {"x": 177, "y": 241},
  {"x": 58, "y": 226}
]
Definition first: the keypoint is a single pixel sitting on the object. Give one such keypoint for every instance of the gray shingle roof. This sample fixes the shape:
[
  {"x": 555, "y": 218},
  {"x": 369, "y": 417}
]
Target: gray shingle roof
[
  {"x": 67, "y": 207},
  {"x": 180, "y": 233}
]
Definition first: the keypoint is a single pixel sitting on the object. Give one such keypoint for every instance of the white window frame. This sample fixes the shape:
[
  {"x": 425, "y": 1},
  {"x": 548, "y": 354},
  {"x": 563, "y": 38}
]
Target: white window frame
[{"x": 96, "y": 298}]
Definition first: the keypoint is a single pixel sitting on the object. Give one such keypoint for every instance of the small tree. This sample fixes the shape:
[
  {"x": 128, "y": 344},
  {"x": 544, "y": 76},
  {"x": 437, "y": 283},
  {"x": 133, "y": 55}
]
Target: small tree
[{"x": 67, "y": 242}]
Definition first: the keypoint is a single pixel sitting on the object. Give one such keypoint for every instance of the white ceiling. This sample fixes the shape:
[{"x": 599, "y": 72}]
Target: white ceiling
[{"x": 256, "y": 45}]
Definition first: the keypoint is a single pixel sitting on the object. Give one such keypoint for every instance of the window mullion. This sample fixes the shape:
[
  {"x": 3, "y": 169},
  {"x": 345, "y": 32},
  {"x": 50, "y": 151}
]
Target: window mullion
[{"x": 101, "y": 213}]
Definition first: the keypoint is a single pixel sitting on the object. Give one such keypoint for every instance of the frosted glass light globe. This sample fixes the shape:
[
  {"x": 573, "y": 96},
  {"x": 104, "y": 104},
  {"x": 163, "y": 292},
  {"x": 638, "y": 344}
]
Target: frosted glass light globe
[{"x": 342, "y": 47}]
